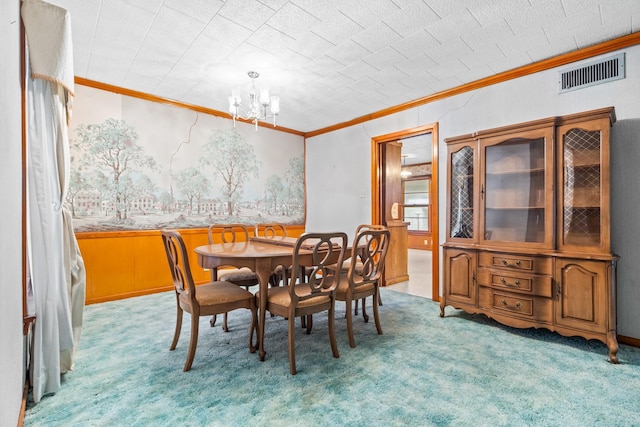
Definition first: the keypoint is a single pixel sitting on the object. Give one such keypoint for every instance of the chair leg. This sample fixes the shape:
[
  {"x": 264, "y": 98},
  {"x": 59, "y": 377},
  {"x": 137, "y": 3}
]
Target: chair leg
[
  {"x": 292, "y": 345},
  {"x": 364, "y": 310},
  {"x": 355, "y": 310},
  {"x": 253, "y": 328},
  {"x": 352, "y": 341},
  {"x": 309, "y": 323},
  {"x": 176, "y": 334},
  {"x": 332, "y": 333},
  {"x": 193, "y": 342},
  {"x": 225, "y": 326},
  {"x": 214, "y": 277},
  {"x": 376, "y": 300},
  {"x": 379, "y": 298},
  {"x": 276, "y": 279},
  {"x": 303, "y": 322}
]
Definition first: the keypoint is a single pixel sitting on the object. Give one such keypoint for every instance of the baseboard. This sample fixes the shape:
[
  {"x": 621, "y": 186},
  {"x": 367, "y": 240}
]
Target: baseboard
[
  {"x": 635, "y": 342},
  {"x": 127, "y": 295}
]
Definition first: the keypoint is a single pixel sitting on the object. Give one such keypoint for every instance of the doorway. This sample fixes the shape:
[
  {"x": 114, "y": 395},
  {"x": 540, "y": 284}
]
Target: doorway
[{"x": 428, "y": 133}]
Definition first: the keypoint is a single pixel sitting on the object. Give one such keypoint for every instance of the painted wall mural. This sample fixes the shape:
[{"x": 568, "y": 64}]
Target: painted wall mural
[{"x": 137, "y": 164}]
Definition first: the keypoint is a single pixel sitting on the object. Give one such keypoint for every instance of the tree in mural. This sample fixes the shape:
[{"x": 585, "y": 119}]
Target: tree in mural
[
  {"x": 112, "y": 145},
  {"x": 234, "y": 160},
  {"x": 166, "y": 199},
  {"x": 193, "y": 185},
  {"x": 294, "y": 178},
  {"x": 126, "y": 194},
  {"x": 77, "y": 184},
  {"x": 274, "y": 189}
]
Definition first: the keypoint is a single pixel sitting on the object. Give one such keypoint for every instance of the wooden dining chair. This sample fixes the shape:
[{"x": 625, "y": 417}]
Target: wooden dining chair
[
  {"x": 230, "y": 233},
  {"x": 273, "y": 231},
  {"x": 203, "y": 300},
  {"x": 368, "y": 254},
  {"x": 280, "y": 273},
  {"x": 347, "y": 264},
  {"x": 295, "y": 299},
  {"x": 270, "y": 231}
]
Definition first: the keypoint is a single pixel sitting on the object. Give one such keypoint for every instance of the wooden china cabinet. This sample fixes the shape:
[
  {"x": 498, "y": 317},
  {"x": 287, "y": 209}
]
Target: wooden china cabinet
[{"x": 528, "y": 226}]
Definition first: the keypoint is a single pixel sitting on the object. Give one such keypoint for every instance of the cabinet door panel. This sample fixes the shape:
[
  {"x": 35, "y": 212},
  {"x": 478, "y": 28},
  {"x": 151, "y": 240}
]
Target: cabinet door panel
[
  {"x": 582, "y": 295},
  {"x": 516, "y": 199},
  {"x": 583, "y": 152},
  {"x": 460, "y": 276},
  {"x": 462, "y": 215}
]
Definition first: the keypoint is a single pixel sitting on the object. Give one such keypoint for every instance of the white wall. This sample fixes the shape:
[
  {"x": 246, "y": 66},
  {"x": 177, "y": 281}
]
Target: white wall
[
  {"x": 11, "y": 339},
  {"x": 339, "y": 163}
]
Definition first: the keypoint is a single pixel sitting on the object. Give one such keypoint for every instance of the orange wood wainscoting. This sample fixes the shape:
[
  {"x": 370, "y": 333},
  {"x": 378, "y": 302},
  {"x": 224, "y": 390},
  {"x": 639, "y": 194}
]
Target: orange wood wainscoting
[{"x": 132, "y": 263}]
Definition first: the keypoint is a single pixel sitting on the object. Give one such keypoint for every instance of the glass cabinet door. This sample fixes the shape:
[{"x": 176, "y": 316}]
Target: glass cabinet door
[
  {"x": 461, "y": 211},
  {"x": 516, "y": 192},
  {"x": 583, "y": 205}
]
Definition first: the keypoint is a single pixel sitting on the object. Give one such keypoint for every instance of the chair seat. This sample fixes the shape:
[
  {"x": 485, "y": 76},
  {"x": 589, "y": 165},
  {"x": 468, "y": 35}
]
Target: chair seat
[
  {"x": 280, "y": 296},
  {"x": 218, "y": 293},
  {"x": 237, "y": 274}
]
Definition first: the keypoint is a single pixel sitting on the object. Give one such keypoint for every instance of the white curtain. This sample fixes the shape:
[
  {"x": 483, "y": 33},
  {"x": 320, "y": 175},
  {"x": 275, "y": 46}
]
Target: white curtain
[{"x": 56, "y": 270}]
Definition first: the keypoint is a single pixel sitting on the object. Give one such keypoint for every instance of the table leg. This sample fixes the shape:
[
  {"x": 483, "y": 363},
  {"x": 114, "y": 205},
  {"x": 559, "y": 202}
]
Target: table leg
[{"x": 263, "y": 271}]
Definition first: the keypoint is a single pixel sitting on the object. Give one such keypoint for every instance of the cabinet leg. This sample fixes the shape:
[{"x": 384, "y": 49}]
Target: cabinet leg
[
  {"x": 612, "y": 343},
  {"x": 442, "y": 304}
]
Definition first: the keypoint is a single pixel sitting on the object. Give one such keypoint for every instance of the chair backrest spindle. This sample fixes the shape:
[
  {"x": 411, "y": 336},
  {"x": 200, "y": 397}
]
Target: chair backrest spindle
[
  {"x": 370, "y": 248},
  {"x": 327, "y": 252},
  {"x": 228, "y": 233},
  {"x": 178, "y": 260},
  {"x": 270, "y": 230}
]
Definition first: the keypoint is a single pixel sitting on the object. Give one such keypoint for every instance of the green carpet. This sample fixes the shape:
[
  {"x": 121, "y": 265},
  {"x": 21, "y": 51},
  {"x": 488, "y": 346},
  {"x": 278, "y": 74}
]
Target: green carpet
[{"x": 460, "y": 370}]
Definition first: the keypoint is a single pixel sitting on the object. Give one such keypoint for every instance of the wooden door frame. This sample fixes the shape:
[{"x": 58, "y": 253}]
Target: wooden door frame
[{"x": 376, "y": 177}]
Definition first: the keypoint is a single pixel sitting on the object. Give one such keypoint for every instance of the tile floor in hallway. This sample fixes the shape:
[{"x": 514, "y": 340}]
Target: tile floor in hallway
[{"x": 419, "y": 267}]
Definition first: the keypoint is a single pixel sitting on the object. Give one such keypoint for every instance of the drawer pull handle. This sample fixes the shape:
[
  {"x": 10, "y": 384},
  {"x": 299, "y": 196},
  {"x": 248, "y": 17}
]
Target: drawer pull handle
[
  {"x": 517, "y": 262},
  {"x": 504, "y": 282},
  {"x": 517, "y": 306}
]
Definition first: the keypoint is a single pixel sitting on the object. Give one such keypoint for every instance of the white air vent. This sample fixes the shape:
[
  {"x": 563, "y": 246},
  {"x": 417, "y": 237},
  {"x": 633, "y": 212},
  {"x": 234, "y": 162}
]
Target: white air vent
[{"x": 594, "y": 73}]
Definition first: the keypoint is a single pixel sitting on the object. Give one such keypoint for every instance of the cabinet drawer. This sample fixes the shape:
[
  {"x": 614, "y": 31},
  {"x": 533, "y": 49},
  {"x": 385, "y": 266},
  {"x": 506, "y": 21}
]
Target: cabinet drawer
[
  {"x": 515, "y": 281},
  {"x": 530, "y": 264},
  {"x": 532, "y": 308}
]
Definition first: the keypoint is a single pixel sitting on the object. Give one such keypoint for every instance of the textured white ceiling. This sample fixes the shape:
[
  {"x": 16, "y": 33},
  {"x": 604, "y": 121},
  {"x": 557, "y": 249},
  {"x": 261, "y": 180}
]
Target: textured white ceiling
[{"x": 330, "y": 61}]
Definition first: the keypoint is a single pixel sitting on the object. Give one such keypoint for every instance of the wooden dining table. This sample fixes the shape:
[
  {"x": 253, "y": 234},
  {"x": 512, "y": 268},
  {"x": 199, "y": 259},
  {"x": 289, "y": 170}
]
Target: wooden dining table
[{"x": 261, "y": 255}]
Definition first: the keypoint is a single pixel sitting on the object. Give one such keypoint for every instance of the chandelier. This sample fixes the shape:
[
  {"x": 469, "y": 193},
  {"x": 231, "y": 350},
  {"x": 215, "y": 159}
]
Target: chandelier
[{"x": 259, "y": 101}]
